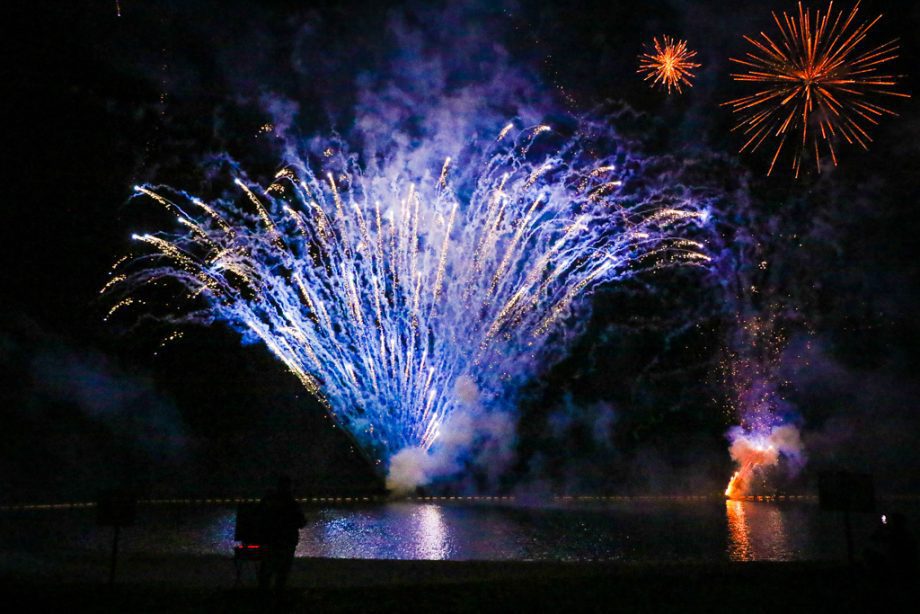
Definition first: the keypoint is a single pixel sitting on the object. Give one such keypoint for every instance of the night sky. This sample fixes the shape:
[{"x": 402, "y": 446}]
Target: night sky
[{"x": 95, "y": 103}]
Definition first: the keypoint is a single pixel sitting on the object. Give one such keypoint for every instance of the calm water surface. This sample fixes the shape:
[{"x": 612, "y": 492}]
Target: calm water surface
[{"x": 627, "y": 531}]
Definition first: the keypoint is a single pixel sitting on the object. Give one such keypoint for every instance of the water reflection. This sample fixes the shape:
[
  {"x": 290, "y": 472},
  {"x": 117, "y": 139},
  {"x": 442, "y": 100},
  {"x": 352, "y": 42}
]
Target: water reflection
[
  {"x": 220, "y": 534},
  {"x": 739, "y": 541},
  {"x": 432, "y": 539},
  {"x": 393, "y": 531},
  {"x": 633, "y": 531},
  {"x": 757, "y": 532},
  {"x": 346, "y": 534}
]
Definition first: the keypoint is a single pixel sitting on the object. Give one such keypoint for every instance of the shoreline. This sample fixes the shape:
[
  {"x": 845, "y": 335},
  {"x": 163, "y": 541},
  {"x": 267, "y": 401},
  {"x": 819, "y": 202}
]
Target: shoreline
[
  {"x": 148, "y": 583},
  {"x": 453, "y": 499}
]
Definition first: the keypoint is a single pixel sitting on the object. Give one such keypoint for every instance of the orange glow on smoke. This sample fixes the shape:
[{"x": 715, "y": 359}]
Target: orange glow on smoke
[
  {"x": 731, "y": 490},
  {"x": 755, "y": 452},
  {"x": 740, "y": 481}
]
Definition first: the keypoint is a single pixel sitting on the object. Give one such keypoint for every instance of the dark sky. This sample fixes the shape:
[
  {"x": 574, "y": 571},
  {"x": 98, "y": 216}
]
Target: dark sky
[{"x": 95, "y": 103}]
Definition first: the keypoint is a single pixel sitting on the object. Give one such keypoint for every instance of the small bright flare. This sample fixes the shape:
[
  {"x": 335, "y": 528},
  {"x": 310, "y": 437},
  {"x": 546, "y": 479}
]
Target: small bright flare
[
  {"x": 669, "y": 65},
  {"x": 817, "y": 84}
]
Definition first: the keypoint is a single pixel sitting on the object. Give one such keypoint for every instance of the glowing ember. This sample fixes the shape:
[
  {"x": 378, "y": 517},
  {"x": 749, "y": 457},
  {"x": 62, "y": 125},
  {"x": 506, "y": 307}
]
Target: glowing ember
[
  {"x": 816, "y": 85},
  {"x": 669, "y": 64}
]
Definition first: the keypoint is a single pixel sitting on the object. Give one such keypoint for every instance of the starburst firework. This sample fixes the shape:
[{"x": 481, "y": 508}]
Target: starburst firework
[
  {"x": 669, "y": 65},
  {"x": 817, "y": 84}
]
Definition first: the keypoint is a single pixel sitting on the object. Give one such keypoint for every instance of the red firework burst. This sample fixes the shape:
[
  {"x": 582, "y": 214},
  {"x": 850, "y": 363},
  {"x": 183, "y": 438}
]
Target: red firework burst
[
  {"x": 817, "y": 85},
  {"x": 669, "y": 65}
]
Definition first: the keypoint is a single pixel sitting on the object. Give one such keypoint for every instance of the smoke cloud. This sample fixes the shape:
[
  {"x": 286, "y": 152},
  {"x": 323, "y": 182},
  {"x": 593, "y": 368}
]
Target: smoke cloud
[
  {"x": 82, "y": 421},
  {"x": 753, "y": 452},
  {"x": 127, "y": 404},
  {"x": 472, "y": 435}
]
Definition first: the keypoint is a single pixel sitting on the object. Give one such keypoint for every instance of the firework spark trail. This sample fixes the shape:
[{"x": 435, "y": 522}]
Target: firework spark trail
[
  {"x": 750, "y": 369},
  {"x": 764, "y": 297},
  {"x": 817, "y": 82},
  {"x": 382, "y": 291},
  {"x": 669, "y": 65},
  {"x": 751, "y": 372}
]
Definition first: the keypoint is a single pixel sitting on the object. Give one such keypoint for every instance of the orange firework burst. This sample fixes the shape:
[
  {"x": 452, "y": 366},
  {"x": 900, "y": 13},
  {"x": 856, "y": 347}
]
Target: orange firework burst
[
  {"x": 669, "y": 64},
  {"x": 817, "y": 84}
]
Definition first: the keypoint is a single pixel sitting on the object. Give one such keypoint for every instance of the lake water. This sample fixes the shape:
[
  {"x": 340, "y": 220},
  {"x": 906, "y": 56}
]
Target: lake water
[{"x": 628, "y": 530}]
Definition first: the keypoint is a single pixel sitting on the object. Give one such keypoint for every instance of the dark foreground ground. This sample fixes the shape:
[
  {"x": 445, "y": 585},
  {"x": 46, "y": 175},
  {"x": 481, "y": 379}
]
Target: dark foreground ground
[{"x": 205, "y": 584}]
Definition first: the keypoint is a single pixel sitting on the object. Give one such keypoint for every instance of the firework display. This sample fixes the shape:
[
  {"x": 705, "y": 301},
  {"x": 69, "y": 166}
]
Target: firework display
[
  {"x": 668, "y": 64},
  {"x": 511, "y": 306},
  {"x": 404, "y": 290},
  {"x": 818, "y": 82},
  {"x": 392, "y": 298}
]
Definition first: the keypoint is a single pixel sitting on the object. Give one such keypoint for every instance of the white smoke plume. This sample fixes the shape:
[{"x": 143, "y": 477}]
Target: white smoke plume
[{"x": 492, "y": 432}]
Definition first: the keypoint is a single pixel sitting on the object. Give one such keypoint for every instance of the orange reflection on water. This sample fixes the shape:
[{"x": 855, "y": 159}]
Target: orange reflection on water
[
  {"x": 739, "y": 539},
  {"x": 757, "y": 532}
]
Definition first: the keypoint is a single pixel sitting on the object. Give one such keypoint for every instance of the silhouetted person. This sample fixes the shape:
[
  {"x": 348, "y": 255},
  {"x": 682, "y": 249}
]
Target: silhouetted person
[{"x": 280, "y": 520}]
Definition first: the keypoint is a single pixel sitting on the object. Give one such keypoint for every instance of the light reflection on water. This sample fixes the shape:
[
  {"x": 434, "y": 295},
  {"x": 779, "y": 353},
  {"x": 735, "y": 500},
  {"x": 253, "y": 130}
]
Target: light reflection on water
[
  {"x": 739, "y": 541},
  {"x": 767, "y": 532},
  {"x": 626, "y": 531},
  {"x": 404, "y": 531},
  {"x": 432, "y": 534},
  {"x": 744, "y": 531}
]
